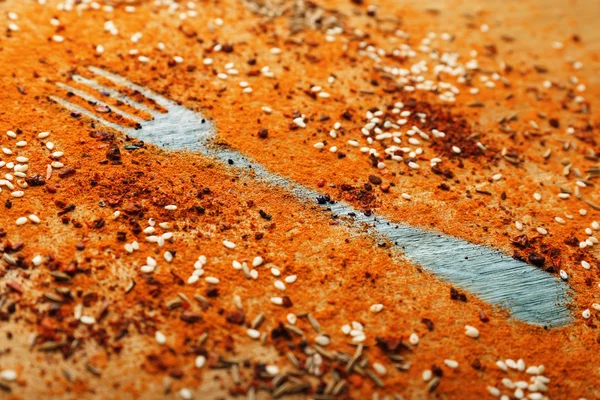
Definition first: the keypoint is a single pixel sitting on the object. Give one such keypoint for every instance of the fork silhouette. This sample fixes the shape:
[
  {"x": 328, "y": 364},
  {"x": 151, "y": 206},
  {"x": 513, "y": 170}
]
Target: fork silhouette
[{"x": 529, "y": 294}]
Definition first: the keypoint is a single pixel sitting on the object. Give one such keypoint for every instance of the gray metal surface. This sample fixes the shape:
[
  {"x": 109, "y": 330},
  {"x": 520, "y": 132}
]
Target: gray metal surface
[{"x": 529, "y": 294}]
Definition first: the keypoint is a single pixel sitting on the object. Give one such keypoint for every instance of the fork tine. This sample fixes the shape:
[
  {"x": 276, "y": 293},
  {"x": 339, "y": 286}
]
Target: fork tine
[
  {"x": 88, "y": 97},
  {"x": 74, "y": 107},
  {"x": 115, "y": 94},
  {"x": 118, "y": 79}
]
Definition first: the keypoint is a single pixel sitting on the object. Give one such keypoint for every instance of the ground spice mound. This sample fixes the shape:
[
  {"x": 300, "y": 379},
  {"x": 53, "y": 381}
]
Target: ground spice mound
[{"x": 133, "y": 271}]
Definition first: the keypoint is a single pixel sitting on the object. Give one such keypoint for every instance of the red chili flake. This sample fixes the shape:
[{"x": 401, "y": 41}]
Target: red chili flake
[
  {"x": 16, "y": 286},
  {"x": 236, "y": 317},
  {"x": 190, "y": 317},
  {"x": 67, "y": 172}
]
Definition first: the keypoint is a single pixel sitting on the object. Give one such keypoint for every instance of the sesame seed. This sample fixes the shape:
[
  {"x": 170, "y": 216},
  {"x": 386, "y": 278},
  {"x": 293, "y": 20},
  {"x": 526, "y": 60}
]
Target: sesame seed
[
  {"x": 253, "y": 333},
  {"x": 413, "y": 339},
  {"x": 451, "y": 363},
  {"x": 322, "y": 340},
  {"x": 427, "y": 375},
  {"x": 279, "y": 285},
  {"x": 563, "y": 275},
  {"x": 542, "y": 231},
  {"x": 257, "y": 261},
  {"x": 277, "y": 301},
  {"x": 471, "y": 331},
  {"x": 291, "y": 318},
  {"x": 171, "y": 207},
  {"x": 21, "y": 221},
  {"x": 585, "y": 264},
  {"x": 212, "y": 280},
  {"x": 8, "y": 375},
  {"x": 376, "y": 308},
  {"x": 379, "y": 368},
  {"x": 502, "y": 365},
  {"x": 37, "y": 260},
  {"x": 290, "y": 279},
  {"x": 160, "y": 337},
  {"x": 586, "y": 314},
  {"x": 228, "y": 244},
  {"x": 185, "y": 394},
  {"x": 87, "y": 320},
  {"x": 200, "y": 361}
]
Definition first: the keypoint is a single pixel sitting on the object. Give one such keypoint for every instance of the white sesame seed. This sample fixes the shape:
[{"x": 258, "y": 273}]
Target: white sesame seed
[
  {"x": 147, "y": 269},
  {"x": 471, "y": 331},
  {"x": 379, "y": 368},
  {"x": 275, "y": 271},
  {"x": 451, "y": 363},
  {"x": 228, "y": 244},
  {"x": 37, "y": 260},
  {"x": 291, "y": 318},
  {"x": 21, "y": 221},
  {"x": 502, "y": 365},
  {"x": 406, "y": 196},
  {"x": 563, "y": 275},
  {"x": 585, "y": 264},
  {"x": 542, "y": 231},
  {"x": 586, "y": 313},
  {"x": 272, "y": 370},
  {"x": 519, "y": 225},
  {"x": 532, "y": 370},
  {"x": 34, "y": 218},
  {"x": 168, "y": 256},
  {"x": 160, "y": 337},
  {"x": 290, "y": 279},
  {"x": 559, "y": 220},
  {"x": 322, "y": 340},
  {"x": 193, "y": 278},
  {"x": 537, "y": 196},
  {"x": 427, "y": 375},
  {"x": 212, "y": 279},
  {"x": 376, "y": 308},
  {"x": 87, "y": 320},
  {"x": 494, "y": 391},
  {"x": 8, "y": 375},
  {"x": 497, "y": 177},
  {"x": 171, "y": 207},
  {"x": 279, "y": 285},
  {"x": 277, "y": 301},
  {"x": 58, "y": 38},
  {"x": 253, "y": 333},
  {"x": 413, "y": 339},
  {"x": 185, "y": 394},
  {"x": 258, "y": 260},
  {"x": 510, "y": 363},
  {"x": 17, "y": 194},
  {"x": 456, "y": 149},
  {"x": 200, "y": 361}
]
